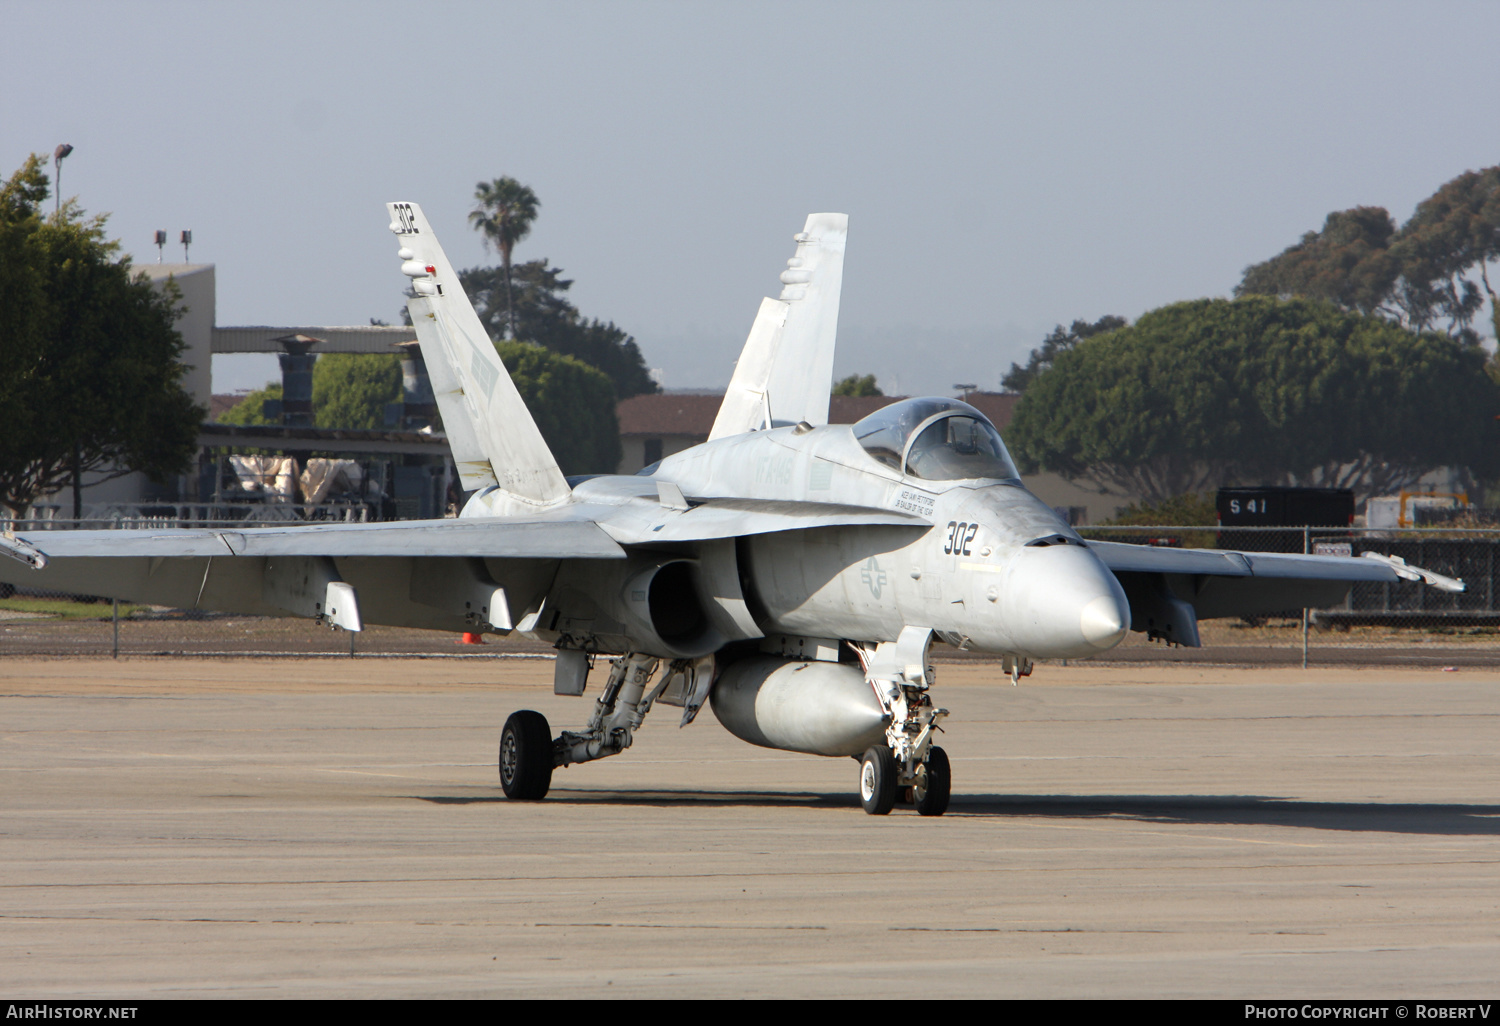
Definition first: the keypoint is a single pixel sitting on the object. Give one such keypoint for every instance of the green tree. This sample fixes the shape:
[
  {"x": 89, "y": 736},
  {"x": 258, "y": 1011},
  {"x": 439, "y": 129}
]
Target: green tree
[
  {"x": 92, "y": 361},
  {"x": 504, "y": 214},
  {"x": 1349, "y": 263},
  {"x": 1058, "y": 342},
  {"x": 572, "y": 403},
  {"x": 1418, "y": 275},
  {"x": 856, "y": 385},
  {"x": 543, "y": 314},
  {"x": 1453, "y": 232},
  {"x": 351, "y": 390},
  {"x": 1258, "y": 390},
  {"x": 1190, "y": 510},
  {"x": 251, "y": 410}
]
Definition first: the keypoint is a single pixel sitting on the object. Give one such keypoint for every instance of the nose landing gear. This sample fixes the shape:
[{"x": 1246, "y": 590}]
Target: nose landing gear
[
  {"x": 908, "y": 761},
  {"x": 881, "y": 782},
  {"x": 934, "y": 784},
  {"x": 877, "y": 780}
]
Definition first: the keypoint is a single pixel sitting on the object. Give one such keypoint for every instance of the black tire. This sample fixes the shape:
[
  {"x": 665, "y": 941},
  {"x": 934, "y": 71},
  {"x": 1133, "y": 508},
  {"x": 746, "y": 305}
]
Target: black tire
[
  {"x": 877, "y": 780},
  {"x": 6, "y": 590},
  {"x": 931, "y": 795},
  {"x": 526, "y": 756}
]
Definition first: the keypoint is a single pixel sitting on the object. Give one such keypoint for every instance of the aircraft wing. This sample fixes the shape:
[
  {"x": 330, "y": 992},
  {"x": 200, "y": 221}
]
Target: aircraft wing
[
  {"x": 538, "y": 538},
  {"x": 1171, "y": 589},
  {"x": 435, "y": 574},
  {"x": 1119, "y": 556},
  {"x": 578, "y": 531}
]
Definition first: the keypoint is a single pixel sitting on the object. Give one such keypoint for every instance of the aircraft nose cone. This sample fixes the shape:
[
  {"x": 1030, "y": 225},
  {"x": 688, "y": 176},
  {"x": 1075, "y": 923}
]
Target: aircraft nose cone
[
  {"x": 1062, "y": 603},
  {"x": 1104, "y": 623}
]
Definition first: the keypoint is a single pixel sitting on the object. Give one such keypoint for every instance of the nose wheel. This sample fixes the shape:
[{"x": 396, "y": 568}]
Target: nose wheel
[
  {"x": 881, "y": 781},
  {"x": 877, "y": 780},
  {"x": 934, "y": 784}
]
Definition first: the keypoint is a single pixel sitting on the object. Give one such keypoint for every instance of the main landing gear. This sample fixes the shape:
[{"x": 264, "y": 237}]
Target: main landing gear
[
  {"x": 526, "y": 756},
  {"x": 529, "y": 754},
  {"x": 908, "y": 765}
]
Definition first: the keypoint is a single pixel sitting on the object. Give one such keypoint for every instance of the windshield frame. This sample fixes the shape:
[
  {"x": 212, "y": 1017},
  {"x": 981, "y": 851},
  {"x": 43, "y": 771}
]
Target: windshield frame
[
  {"x": 939, "y": 409},
  {"x": 916, "y": 436}
]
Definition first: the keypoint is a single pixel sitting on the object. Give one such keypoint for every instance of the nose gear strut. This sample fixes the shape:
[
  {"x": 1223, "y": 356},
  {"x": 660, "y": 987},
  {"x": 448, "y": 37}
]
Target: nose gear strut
[{"x": 901, "y": 677}]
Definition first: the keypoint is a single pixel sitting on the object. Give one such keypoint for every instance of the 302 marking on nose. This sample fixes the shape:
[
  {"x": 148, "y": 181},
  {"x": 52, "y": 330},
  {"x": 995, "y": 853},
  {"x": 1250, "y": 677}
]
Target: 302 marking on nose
[{"x": 960, "y": 538}]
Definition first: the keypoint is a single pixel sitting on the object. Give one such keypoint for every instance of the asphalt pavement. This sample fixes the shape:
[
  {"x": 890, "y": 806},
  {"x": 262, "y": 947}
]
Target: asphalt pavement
[{"x": 334, "y": 828}]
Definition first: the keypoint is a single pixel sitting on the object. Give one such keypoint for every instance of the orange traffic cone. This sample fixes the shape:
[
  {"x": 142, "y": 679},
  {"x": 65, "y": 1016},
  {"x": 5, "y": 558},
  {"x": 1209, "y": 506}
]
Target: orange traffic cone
[{"x": 472, "y": 639}]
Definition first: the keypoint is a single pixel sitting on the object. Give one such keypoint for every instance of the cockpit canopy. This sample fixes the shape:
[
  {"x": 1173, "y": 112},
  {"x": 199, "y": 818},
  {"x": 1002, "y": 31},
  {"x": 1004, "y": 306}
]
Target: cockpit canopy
[{"x": 936, "y": 440}]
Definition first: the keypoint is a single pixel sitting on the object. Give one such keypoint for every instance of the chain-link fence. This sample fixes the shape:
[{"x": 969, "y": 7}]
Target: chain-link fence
[{"x": 1397, "y": 622}]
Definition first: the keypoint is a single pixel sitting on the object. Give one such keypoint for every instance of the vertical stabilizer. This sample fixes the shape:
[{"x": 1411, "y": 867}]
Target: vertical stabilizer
[
  {"x": 785, "y": 371},
  {"x": 492, "y": 435},
  {"x": 747, "y": 404},
  {"x": 802, "y": 372}
]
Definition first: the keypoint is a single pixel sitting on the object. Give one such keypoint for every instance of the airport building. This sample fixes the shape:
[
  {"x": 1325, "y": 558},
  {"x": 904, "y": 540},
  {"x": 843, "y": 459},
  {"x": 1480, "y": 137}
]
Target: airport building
[{"x": 403, "y": 470}]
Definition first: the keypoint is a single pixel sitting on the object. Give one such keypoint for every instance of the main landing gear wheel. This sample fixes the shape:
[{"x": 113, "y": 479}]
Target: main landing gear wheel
[
  {"x": 934, "y": 783},
  {"x": 526, "y": 756},
  {"x": 877, "y": 780}
]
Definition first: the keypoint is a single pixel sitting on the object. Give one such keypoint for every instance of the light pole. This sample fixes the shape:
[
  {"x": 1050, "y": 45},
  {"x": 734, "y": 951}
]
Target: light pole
[
  {"x": 63, "y": 149},
  {"x": 58, "y": 154}
]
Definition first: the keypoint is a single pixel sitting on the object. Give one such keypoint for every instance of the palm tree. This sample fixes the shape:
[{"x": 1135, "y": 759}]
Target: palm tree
[{"x": 504, "y": 215}]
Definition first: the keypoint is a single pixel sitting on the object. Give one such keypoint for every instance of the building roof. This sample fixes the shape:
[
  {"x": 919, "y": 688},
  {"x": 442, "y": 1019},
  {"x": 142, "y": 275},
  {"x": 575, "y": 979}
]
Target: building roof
[
  {"x": 221, "y": 403},
  {"x": 668, "y": 413},
  {"x": 672, "y": 413},
  {"x": 1000, "y": 407}
]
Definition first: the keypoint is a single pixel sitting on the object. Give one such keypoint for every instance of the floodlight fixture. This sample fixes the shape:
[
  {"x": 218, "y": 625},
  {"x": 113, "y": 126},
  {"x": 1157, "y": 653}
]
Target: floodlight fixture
[
  {"x": 161, "y": 240},
  {"x": 63, "y": 149},
  {"x": 187, "y": 240}
]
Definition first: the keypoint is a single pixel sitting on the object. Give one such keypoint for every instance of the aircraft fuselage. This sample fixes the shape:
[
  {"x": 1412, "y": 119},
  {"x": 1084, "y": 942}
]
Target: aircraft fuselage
[{"x": 983, "y": 563}]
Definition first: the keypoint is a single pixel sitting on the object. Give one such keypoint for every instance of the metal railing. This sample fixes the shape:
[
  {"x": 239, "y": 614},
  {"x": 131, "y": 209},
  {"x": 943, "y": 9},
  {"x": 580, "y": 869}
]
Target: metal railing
[{"x": 159, "y": 515}]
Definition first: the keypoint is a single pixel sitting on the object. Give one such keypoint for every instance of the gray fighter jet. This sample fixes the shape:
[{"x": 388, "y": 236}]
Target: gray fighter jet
[{"x": 790, "y": 572}]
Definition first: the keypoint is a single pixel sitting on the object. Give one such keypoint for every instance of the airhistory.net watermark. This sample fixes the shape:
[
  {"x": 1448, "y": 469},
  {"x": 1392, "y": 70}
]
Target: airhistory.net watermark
[{"x": 52, "y": 1011}]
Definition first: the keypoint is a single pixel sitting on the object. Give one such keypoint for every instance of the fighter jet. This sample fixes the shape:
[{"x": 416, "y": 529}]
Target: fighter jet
[{"x": 791, "y": 573}]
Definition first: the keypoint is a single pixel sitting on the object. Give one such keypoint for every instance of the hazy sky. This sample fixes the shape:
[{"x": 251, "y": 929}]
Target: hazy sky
[{"x": 1005, "y": 166}]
